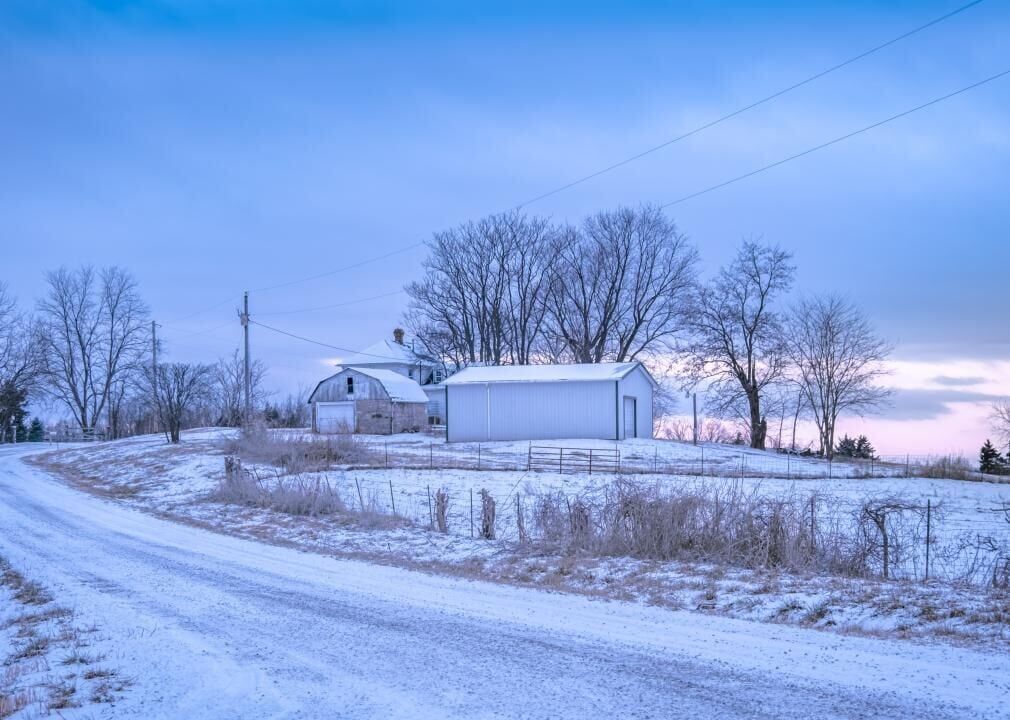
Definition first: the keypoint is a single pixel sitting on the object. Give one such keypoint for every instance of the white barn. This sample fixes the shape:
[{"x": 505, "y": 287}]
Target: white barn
[{"x": 607, "y": 401}]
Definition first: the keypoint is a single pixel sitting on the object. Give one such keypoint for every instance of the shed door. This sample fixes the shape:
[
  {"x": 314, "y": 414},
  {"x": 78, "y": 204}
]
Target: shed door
[
  {"x": 335, "y": 417},
  {"x": 630, "y": 417}
]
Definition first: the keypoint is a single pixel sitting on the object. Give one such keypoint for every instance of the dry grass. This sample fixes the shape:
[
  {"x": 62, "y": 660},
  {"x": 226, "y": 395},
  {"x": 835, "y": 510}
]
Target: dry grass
[
  {"x": 296, "y": 453},
  {"x": 35, "y": 636}
]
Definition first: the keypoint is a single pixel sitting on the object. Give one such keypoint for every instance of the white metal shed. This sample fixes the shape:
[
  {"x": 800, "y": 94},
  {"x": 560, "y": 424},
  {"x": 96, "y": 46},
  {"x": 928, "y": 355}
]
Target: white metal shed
[{"x": 607, "y": 401}]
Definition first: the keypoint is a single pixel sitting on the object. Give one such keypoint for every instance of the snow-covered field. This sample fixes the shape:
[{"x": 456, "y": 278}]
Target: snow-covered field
[
  {"x": 221, "y": 627},
  {"x": 175, "y": 481}
]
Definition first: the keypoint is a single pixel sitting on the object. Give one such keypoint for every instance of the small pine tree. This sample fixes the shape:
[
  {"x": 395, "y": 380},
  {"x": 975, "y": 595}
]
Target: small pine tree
[
  {"x": 846, "y": 447},
  {"x": 989, "y": 459},
  {"x": 863, "y": 449},
  {"x": 36, "y": 431}
]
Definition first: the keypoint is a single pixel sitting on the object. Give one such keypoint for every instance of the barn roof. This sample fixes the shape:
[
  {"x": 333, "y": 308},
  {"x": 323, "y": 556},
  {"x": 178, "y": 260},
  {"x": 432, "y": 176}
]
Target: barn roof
[
  {"x": 545, "y": 373},
  {"x": 398, "y": 387}
]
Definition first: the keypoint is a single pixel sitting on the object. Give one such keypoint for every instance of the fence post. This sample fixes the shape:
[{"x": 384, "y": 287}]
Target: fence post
[
  {"x": 907, "y": 474},
  {"x": 561, "y": 460},
  {"x": 590, "y": 461},
  {"x": 431, "y": 513},
  {"x": 392, "y": 500},
  {"x": 813, "y": 523},
  {"x": 789, "y": 466},
  {"x": 431, "y": 455},
  {"x": 703, "y": 461},
  {"x": 830, "y": 461},
  {"x": 471, "y": 512},
  {"x": 387, "y": 454},
  {"x": 741, "y": 465},
  {"x": 929, "y": 533},
  {"x": 655, "y": 459},
  {"x": 478, "y": 456},
  {"x": 529, "y": 457},
  {"x": 361, "y": 500}
]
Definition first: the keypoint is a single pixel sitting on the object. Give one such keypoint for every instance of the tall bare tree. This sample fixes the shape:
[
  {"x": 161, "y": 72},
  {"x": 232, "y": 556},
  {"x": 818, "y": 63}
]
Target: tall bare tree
[
  {"x": 622, "y": 285},
  {"x": 482, "y": 298},
  {"x": 739, "y": 344},
  {"x": 20, "y": 360},
  {"x": 178, "y": 388},
  {"x": 94, "y": 330},
  {"x": 838, "y": 361},
  {"x": 1001, "y": 419},
  {"x": 227, "y": 388}
]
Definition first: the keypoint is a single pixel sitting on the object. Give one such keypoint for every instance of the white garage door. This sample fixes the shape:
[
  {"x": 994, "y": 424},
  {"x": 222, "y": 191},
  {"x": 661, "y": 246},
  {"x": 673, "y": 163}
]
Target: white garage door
[{"x": 335, "y": 417}]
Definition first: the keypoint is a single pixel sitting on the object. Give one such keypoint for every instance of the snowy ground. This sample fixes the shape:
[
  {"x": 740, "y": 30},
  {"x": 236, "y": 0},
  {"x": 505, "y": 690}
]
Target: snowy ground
[
  {"x": 53, "y": 662},
  {"x": 173, "y": 482},
  {"x": 219, "y": 627}
]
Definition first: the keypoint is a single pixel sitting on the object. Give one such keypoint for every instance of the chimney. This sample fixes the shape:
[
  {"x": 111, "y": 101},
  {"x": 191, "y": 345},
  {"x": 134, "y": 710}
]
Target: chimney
[{"x": 398, "y": 336}]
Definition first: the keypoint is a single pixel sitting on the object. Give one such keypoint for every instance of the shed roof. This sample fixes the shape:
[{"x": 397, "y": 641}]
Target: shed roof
[
  {"x": 398, "y": 387},
  {"x": 595, "y": 372}
]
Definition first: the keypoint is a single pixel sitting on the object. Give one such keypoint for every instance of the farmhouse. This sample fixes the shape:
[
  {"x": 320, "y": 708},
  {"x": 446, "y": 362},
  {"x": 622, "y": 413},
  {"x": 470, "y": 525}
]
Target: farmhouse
[
  {"x": 401, "y": 358},
  {"x": 376, "y": 401},
  {"x": 607, "y": 401}
]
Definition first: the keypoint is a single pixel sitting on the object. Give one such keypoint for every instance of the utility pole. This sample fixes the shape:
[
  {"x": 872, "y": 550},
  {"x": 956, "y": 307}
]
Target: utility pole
[
  {"x": 694, "y": 404},
  {"x": 244, "y": 317},
  {"x": 154, "y": 376}
]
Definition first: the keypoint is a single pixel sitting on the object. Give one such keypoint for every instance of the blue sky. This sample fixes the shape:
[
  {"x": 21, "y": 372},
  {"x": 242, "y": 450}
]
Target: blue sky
[{"x": 217, "y": 147}]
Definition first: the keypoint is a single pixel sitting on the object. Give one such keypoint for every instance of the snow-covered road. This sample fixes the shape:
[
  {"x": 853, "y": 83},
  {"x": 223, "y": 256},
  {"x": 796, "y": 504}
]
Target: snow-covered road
[{"x": 217, "y": 627}]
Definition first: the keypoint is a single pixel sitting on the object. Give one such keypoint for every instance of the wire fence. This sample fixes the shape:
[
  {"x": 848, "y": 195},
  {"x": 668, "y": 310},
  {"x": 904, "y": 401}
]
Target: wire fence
[
  {"x": 892, "y": 537},
  {"x": 662, "y": 458}
]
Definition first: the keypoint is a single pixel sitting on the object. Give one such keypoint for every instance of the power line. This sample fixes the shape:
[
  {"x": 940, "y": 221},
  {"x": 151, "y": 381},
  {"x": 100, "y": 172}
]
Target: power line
[
  {"x": 334, "y": 305},
  {"x": 751, "y": 106},
  {"x": 340, "y": 269},
  {"x": 322, "y": 344},
  {"x": 837, "y": 140},
  {"x": 201, "y": 312}
]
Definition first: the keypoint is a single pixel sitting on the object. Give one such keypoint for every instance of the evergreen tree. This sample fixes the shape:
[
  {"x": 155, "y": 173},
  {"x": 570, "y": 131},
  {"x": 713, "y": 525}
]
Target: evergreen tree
[
  {"x": 36, "y": 431},
  {"x": 863, "y": 449},
  {"x": 846, "y": 447},
  {"x": 990, "y": 460}
]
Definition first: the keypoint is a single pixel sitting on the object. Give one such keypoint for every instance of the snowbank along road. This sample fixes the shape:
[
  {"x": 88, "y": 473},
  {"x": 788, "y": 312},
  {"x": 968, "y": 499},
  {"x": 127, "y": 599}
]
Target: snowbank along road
[{"x": 211, "y": 626}]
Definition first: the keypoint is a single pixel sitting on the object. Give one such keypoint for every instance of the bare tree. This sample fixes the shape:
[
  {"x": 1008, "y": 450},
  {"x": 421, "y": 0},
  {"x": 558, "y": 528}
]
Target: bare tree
[
  {"x": 177, "y": 389},
  {"x": 227, "y": 388},
  {"x": 838, "y": 361},
  {"x": 622, "y": 285},
  {"x": 94, "y": 330},
  {"x": 1001, "y": 419},
  {"x": 739, "y": 345},
  {"x": 483, "y": 295}
]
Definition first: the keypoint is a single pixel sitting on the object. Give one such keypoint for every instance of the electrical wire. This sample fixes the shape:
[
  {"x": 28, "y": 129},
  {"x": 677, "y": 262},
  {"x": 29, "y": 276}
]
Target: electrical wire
[
  {"x": 836, "y": 140},
  {"x": 322, "y": 344},
  {"x": 333, "y": 305},
  {"x": 751, "y": 106}
]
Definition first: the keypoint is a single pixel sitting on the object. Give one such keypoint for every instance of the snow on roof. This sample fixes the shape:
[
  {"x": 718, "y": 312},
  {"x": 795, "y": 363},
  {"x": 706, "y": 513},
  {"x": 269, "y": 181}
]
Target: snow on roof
[
  {"x": 384, "y": 352},
  {"x": 543, "y": 373},
  {"x": 398, "y": 387}
]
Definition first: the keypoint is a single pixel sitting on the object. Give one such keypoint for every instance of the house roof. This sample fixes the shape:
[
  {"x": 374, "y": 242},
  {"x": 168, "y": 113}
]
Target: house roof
[
  {"x": 384, "y": 352},
  {"x": 545, "y": 373},
  {"x": 398, "y": 387}
]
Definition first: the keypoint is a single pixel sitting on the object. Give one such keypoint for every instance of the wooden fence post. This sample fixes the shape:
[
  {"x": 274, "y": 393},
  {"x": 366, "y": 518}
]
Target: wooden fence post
[
  {"x": 929, "y": 529},
  {"x": 431, "y": 513},
  {"x": 392, "y": 500}
]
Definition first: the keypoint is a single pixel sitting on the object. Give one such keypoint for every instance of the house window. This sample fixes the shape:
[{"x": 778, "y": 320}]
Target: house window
[
  {"x": 350, "y": 386},
  {"x": 438, "y": 376}
]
